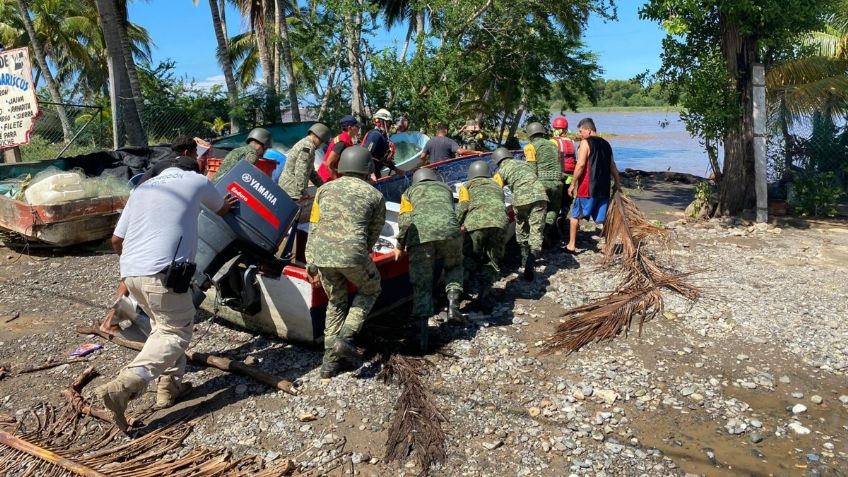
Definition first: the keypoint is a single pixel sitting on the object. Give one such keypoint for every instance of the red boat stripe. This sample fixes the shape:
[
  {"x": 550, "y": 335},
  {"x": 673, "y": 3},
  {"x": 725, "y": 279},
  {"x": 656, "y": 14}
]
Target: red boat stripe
[{"x": 254, "y": 204}]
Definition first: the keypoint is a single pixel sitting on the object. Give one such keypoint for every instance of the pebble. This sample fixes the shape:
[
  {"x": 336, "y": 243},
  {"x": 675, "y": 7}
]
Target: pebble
[
  {"x": 843, "y": 399},
  {"x": 799, "y": 409},
  {"x": 797, "y": 428},
  {"x": 816, "y": 399},
  {"x": 785, "y": 380},
  {"x": 607, "y": 395},
  {"x": 241, "y": 389},
  {"x": 756, "y": 437},
  {"x": 756, "y": 423},
  {"x": 493, "y": 445},
  {"x": 797, "y": 395}
]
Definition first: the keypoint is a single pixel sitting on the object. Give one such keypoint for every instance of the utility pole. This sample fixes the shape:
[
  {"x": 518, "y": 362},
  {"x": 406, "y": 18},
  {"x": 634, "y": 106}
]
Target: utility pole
[{"x": 760, "y": 143}]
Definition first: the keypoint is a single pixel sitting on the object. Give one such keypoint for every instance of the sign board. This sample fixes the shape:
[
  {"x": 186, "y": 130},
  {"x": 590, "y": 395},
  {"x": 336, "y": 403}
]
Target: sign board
[{"x": 18, "y": 102}]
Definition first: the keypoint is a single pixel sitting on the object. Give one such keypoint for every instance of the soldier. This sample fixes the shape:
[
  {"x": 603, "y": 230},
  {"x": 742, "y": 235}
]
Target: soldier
[
  {"x": 543, "y": 157},
  {"x": 429, "y": 232},
  {"x": 257, "y": 142},
  {"x": 472, "y": 136},
  {"x": 529, "y": 202},
  {"x": 482, "y": 211},
  {"x": 347, "y": 217},
  {"x": 300, "y": 163}
]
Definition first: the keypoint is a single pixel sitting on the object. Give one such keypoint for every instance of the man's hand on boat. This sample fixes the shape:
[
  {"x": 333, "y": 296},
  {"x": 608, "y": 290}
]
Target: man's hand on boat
[
  {"x": 398, "y": 253},
  {"x": 312, "y": 274}
]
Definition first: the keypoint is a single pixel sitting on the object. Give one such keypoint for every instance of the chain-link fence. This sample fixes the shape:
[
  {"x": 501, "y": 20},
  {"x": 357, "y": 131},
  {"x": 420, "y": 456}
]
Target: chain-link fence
[{"x": 49, "y": 141}]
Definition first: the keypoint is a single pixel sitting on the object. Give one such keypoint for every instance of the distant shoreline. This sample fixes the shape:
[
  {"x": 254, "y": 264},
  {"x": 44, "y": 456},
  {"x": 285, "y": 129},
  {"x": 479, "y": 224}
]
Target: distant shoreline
[{"x": 623, "y": 109}]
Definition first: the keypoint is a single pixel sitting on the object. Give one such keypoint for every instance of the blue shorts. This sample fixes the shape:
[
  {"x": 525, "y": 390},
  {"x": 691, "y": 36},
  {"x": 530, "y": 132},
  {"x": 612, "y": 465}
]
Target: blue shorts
[{"x": 585, "y": 207}]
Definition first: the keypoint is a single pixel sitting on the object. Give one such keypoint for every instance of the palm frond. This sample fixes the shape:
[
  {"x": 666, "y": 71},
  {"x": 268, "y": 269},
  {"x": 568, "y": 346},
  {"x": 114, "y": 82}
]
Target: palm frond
[{"x": 638, "y": 298}]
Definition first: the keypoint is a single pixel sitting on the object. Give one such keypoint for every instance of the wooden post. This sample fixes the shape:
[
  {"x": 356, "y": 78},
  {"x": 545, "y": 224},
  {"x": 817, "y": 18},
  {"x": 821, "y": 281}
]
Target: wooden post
[
  {"x": 760, "y": 142},
  {"x": 12, "y": 154}
]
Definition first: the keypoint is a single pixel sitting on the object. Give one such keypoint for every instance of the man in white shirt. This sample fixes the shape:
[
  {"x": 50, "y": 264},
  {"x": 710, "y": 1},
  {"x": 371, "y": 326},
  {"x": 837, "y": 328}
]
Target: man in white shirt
[{"x": 157, "y": 227}]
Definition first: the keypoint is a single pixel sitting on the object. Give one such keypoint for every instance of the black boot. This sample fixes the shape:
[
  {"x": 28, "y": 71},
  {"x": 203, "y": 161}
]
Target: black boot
[
  {"x": 485, "y": 300},
  {"x": 345, "y": 348},
  {"x": 330, "y": 370},
  {"x": 454, "y": 315},
  {"x": 530, "y": 267},
  {"x": 423, "y": 334},
  {"x": 551, "y": 236}
]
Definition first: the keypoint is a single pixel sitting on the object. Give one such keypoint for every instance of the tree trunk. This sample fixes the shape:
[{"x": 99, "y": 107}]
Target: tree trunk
[
  {"x": 222, "y": 11},
  {"x": 272, "y": 109},
  {"x": 712, "y": 155},
  {"x": 287, "y": 60},
  {"x": 353, "y": 25},
  {"x": 226, "y": 64},
  {"x": 737, "y": 185},
  {"x": 406, "y": 41},
  {"x": 277, "y": 65},
  {"x": 52, "y": 85},
  {"x": 123, "y": 107},
  {"x": 328, "y": 91},
  {"x": 126, "y": 50},
  {"x": 419, "y": 27}
]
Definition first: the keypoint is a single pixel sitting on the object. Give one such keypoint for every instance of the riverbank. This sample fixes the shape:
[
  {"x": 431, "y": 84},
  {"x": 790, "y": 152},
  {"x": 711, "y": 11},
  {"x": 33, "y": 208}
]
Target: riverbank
[{"x": 750, "y": 379}]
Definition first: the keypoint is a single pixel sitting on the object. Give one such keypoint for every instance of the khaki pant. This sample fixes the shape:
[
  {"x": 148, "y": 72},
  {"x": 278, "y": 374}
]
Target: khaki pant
[{"x": 172, "y": 323}]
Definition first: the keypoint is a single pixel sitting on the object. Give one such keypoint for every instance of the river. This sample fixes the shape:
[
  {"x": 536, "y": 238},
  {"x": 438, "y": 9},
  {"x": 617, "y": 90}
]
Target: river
[{"x": 650, "y": 141}]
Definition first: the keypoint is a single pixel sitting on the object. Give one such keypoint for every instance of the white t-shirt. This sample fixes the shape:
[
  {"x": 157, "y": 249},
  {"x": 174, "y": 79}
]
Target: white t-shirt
[{"x": 157, "y": 214}]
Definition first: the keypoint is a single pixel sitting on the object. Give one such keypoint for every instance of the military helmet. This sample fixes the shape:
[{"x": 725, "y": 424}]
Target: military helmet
[
  {"x": 383, "y": 114},
  {"x": 260, "y": 135},
  {"x": 535, "y": 129},
  {"x": 355, "y": 160},
  {"x": 321, "y": 131},
  {"x": 424, "y": 174},
  {"x": 479, "y": 169},
  {"x": 500, "y": 154}
]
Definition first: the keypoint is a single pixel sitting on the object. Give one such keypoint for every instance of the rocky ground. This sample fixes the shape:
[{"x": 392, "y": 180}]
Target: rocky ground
[{"x": 749, "y": 380}]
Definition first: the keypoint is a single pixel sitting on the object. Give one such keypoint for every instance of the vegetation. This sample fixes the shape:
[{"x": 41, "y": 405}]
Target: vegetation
[
  {"x": 707, "y": 68},
  {"x": 612, "y": 94}
]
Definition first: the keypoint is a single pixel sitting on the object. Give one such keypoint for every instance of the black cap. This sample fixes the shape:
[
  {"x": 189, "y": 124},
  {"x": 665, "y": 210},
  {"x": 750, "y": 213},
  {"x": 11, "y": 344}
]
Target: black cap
[{"x": 348, "y": 121}]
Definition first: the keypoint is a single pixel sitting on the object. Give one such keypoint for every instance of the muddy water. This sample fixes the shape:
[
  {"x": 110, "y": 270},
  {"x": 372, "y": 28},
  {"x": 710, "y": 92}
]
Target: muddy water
[{"x": 650, "y": 141}]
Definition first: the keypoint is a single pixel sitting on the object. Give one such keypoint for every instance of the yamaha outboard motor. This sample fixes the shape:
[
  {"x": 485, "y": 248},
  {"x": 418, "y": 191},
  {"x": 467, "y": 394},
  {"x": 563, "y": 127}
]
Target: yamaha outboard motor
[{"x": 232, "y": 249}]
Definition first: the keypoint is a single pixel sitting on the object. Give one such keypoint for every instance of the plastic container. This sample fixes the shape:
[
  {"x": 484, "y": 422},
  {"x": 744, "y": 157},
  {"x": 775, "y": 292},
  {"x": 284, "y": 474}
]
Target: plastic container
[
  {"x": 212, "y": 166},
  {"x": 54, "y": 189},
  {"x": 267, "y": 166}
]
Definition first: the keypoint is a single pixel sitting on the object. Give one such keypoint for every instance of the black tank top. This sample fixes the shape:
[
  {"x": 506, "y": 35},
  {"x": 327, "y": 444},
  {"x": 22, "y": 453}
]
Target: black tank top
[{"x": 600, "y": 160}]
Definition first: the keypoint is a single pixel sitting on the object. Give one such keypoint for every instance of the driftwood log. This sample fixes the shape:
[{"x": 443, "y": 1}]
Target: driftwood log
[{"x": 204, "y": 359}]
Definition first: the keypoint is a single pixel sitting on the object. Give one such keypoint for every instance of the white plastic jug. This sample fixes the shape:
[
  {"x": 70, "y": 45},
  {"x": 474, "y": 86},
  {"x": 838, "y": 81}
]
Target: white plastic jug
[{"x": 55, "y": 189}]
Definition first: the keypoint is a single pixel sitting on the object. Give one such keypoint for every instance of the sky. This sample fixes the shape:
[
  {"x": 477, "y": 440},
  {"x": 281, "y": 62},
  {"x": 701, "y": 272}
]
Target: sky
[{"x": 183, "y": 32}]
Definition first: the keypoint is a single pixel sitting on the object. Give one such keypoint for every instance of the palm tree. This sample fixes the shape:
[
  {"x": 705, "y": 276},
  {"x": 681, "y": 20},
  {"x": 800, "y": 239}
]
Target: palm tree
[
  {"x": 126, "y": 50},
  {"x": 258, "y": 12},
  {"x": 224, "y": 60},
  {"x": 126, "y": 119},
  {"x": 285, "y": 50},
  {"x": 52, "y": 84},
  {"x": 812, "y": 83}
]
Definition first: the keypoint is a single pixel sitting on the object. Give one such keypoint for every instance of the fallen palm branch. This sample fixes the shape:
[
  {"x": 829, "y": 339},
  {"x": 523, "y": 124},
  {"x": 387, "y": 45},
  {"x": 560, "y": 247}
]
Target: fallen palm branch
[
  {"x": 416, "y": 427},
  {"x": 638, "y": 298},
  {"x": 203, "y": 359},
  {"x": 63, "y": 442}
]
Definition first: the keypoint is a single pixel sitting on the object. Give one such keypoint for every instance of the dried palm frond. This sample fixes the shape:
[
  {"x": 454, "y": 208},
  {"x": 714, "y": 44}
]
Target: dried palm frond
[
  {"x": 68, "y": 441},
  {"x": 417, "y": 425},
  {"x": 638, "y": 296}
]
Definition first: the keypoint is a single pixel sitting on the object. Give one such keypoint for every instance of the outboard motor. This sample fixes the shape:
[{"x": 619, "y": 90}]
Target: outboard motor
[{"x": 232, "y": 249}]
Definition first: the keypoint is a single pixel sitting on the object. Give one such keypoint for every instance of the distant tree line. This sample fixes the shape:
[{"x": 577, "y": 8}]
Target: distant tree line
[{"x": 618, "y": 93}]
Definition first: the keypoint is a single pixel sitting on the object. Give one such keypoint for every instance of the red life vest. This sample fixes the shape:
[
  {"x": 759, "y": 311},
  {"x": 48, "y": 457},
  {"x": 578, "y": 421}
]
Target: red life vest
[
  {"x": 324, "y": 170},
  {"x": 565, "y": 147}
]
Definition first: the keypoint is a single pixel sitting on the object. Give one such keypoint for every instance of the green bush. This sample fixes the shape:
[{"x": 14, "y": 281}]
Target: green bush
[{"x": 816, "y": 194}]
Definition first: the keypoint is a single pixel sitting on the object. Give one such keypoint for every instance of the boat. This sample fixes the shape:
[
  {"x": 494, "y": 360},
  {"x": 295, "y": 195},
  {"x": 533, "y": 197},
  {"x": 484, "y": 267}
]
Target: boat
[
  {"x": 408, "y": 149},
  {"x": 247, "y": 285},
  {"x": 409, "y": 145},
  {"x": 62, "y": 223}
]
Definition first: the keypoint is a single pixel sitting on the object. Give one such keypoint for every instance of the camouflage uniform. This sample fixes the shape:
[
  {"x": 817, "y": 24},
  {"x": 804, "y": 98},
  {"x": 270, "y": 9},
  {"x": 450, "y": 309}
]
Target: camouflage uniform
[
  {"x": 347, "y": 217},
  {"x": 482, "y": 211},
  {"x": 543, "y": 157},
  {"x": 300, "y": 169},
  {"x": 247, "y": 152},
  {"x": 428, "y": 230},
  {"x": 529, "y": 202}
]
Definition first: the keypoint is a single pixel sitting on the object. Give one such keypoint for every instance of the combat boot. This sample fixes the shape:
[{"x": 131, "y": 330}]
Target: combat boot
[
  {"x": 550, "y": 236},
  {"x": 423, "y": 333},
  {"x": 454, "y": 315},
  {"x": 116, "y": 394},
  {"x": 330, "y": 369},
  {"x": 344, "y": 348},
  {"x": 530, "y": 266},
  {"x": 169, "y": 390}
]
